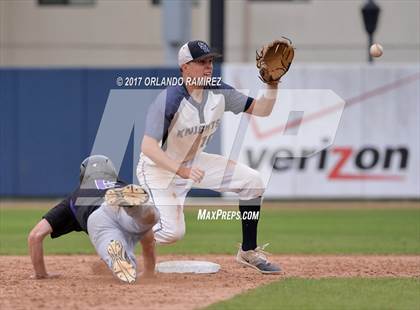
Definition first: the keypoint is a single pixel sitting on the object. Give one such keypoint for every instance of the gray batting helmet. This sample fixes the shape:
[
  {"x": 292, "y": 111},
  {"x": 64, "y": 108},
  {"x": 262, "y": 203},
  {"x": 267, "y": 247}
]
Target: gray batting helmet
[{"x": 97, "y": 167}]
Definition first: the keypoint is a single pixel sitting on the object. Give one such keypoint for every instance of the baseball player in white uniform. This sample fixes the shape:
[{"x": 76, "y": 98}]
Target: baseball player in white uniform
[{"x": 179, "y": 125}]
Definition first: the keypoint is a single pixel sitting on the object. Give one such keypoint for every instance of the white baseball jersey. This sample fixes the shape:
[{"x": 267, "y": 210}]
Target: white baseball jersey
[{"x": 184, "y": 126}]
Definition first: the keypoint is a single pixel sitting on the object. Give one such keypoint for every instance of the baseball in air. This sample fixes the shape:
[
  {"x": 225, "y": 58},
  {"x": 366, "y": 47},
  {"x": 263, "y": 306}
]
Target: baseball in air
[{"x": 376, "y": 50}]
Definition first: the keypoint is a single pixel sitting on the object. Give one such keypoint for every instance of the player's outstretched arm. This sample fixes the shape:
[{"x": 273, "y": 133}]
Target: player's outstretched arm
[
  {"x": 263, "y": 106},
  {"x": 149, "y": 255},
  {"x": 35, "y": 244},
  {"x": 273, "y": 61}
]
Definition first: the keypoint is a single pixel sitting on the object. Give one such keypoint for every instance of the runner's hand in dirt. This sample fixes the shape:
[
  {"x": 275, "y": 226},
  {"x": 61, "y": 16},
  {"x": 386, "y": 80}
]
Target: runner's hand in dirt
[
  {"x": 147, "y": 275},
  {"x": 45, "y": 276}
]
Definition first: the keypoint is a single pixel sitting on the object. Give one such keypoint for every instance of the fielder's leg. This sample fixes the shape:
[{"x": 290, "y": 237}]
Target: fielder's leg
[
  {"x": 224, "y": 175},
  {"x": 168, "y": 194}
]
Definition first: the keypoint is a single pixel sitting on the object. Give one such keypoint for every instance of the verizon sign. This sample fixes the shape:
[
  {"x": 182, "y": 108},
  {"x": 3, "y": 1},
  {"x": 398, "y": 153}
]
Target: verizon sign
[
  {"x": 364, "y": 147},
  {"x": 339, "y": 163}
]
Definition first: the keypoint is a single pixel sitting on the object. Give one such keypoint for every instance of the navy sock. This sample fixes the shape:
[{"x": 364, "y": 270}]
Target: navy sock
[{"x": 249, "y": 226}]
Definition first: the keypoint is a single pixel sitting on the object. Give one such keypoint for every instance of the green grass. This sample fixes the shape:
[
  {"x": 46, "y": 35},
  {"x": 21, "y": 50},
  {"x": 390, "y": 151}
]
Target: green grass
[
  {"x": 327, "y": 294},
  {"x": 300, "y": 231},
  {"x": 15, "y": 225},
  {"x": 307, "y": 231}
]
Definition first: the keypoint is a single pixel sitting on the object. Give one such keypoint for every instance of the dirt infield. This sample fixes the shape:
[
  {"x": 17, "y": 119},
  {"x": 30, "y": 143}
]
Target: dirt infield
[{"x": 86, "y": 283}]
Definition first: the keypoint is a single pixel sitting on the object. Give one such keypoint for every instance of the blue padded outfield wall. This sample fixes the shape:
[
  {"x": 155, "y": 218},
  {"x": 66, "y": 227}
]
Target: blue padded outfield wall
[{"x": 49, "y": 119}]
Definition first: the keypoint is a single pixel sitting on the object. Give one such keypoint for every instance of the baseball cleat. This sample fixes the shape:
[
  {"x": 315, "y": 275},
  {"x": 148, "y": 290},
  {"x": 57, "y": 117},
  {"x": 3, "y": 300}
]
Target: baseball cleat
[
  {"x": 121, "y": 266},
  {"x": 257, "y": 259},
  {"x": 129, "y": 196}
]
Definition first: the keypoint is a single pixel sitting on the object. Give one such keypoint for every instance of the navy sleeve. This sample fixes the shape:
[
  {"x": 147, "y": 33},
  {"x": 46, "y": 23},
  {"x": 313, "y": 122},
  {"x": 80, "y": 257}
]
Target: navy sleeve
[
  {"x": 235, "y": 101},
  {"x": 156, "y": 122},
  {"x": 162, "y": 112}
]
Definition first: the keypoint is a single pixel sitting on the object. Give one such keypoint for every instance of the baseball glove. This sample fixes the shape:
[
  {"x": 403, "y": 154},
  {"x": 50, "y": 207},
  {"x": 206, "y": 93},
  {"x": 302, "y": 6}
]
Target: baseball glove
[
  {"x": 274, "y": 59},
  {"x": 128, "y": 196}
]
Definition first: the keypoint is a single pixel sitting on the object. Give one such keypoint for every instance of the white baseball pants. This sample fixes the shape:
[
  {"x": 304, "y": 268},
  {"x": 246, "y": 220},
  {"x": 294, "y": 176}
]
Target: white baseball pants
[{"x": 168, "y": 190}]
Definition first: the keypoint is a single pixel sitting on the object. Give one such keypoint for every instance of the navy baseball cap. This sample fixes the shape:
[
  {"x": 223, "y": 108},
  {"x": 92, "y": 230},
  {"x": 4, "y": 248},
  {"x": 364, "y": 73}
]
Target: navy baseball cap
[{"x": 195, "y": 50}]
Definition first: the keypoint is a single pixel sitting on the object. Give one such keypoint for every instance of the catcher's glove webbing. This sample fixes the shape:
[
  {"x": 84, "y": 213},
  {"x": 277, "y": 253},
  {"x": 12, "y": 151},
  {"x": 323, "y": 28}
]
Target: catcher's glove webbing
[
  {"x": 274, "y": 59},
  {"x": 128, "y": 196}
]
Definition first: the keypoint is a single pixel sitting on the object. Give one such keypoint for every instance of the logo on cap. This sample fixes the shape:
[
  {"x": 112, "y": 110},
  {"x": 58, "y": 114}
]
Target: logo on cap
[{"x": 204, "y": 47}]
